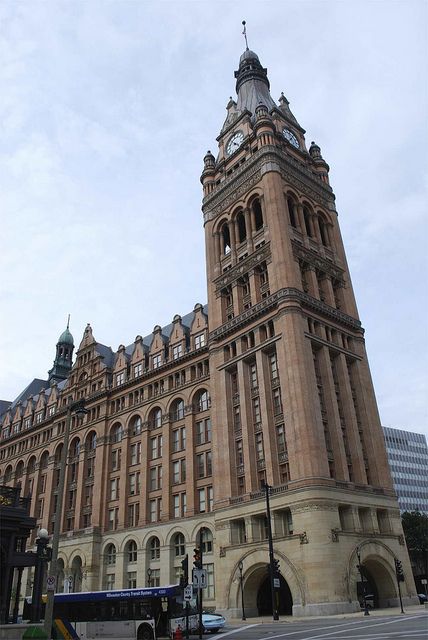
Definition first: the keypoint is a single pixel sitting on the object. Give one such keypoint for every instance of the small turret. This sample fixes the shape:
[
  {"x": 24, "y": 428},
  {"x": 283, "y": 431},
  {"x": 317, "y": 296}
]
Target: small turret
[
  {"x": 207, "y": 177},
  {"x": 320, "y": 165},
  {"x": 64, "y": 356}
]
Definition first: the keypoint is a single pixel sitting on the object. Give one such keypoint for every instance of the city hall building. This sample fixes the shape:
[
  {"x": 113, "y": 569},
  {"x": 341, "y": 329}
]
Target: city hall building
[{"x": 267, "y": 383}]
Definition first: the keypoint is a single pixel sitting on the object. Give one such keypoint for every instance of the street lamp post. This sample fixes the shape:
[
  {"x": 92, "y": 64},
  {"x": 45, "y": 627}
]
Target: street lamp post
[
  {"x": 360, "y": 569},
  {"x": 241, "y": 580},
  {"x": 42, "y": 557},
  {"x": 77, "y": 408},
  {"x": 149, "y": 577},
  {"x": 275, "y": 614}
]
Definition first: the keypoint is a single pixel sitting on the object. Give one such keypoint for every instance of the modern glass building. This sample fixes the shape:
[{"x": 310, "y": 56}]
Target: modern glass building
[{"x": 408, "y": 459}]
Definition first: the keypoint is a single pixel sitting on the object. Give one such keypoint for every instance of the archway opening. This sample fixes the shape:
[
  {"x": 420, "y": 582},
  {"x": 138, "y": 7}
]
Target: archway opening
[
  {"x": 379, "y": 584},
  {"x": 284, "y": 599}
]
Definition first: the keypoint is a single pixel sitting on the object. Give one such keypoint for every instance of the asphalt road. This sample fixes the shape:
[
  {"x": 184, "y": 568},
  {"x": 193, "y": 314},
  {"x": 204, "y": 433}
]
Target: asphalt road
[{"x": 412, "y": 626}]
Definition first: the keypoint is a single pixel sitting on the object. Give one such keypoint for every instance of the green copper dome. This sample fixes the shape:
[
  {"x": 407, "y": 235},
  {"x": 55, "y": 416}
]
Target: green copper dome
[{"x": 66, "y": 338}]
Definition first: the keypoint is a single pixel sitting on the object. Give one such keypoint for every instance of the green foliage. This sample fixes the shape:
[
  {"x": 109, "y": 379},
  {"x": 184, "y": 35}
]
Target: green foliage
[{"x": 415, "y": 527}]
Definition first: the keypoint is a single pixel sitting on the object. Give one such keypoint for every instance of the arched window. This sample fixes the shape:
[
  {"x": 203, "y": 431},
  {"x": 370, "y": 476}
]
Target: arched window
[
  {"x": 44, "y": 460},
  {"x": 226, "y": 238},
  {"x": 8, "y": 474},
  {"x": 179, "y": 545},
  {"x": 258, "y": 214},
  {"x": 292, "y": 212},
  {"x": 154, "y": 548},
  {"x": 110, "y": 555},
  {"x": 31, "y": 465},
  {"x": 91, "y": 441},
  {"x": 207, "y": 541},
  {"x": 306, "y": 217},
  {"x": 116, "y": 433},
  {"x": 75, "y": 448},
  {"x": 202, "y": 400},
  {"x": 155, "y": 418},
  {"x": 132, "y": 551},
  {"x": 58, "y": 453},
  {"x": 323, "y": 231},
  {"x": 19, "y": 470},
  {"x": 136, "y": 425},
  {"x": 177, "y": 412},
  {"x": 242, "y": 229}
]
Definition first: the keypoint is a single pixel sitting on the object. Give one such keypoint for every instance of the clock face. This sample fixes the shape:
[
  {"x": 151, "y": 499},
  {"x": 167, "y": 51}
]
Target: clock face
[
  {"x": 234, "y": 142},
  {"x": 289, "y": 135}
]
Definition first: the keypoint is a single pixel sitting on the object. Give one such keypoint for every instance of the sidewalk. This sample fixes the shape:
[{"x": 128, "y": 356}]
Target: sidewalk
[{"x": 414, "y": 609}]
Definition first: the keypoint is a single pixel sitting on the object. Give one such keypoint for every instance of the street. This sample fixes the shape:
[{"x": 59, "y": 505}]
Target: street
[{"x": 412, "y": 626}]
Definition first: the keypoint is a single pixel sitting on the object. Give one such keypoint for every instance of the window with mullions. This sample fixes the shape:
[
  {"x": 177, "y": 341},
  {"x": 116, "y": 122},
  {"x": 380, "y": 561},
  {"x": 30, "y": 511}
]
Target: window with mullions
[
  {"x": 179, "y": 545},
  {"x": 203, "y": 431}
]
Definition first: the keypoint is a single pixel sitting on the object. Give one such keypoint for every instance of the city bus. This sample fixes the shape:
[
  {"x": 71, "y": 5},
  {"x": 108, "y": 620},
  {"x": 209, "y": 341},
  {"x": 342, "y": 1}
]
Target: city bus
[{"x": 125, "y": 614}]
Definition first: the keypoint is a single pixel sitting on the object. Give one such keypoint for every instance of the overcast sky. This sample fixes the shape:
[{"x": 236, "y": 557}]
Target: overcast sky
[{"x": 106, "y": 111}]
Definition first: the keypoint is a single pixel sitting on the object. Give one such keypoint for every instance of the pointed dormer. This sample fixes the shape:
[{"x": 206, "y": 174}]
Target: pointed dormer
[{"x": 64, "y": 356}]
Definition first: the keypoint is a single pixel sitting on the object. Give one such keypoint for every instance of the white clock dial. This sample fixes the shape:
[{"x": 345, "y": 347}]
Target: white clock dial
[
  {"x": 289, "y": 135},
  {"x": 234, "y": 142}
]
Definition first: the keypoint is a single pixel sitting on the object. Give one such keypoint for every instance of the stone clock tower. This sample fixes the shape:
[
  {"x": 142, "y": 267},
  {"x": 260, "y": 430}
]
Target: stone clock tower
[{"x": 292, "y": 398}]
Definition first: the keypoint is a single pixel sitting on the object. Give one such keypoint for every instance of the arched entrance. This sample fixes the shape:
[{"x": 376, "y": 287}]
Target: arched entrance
[
  {"x": 283, "y": 596},
  {"x": 377, "y": 568},
  {"x": 257, "y": 593}
]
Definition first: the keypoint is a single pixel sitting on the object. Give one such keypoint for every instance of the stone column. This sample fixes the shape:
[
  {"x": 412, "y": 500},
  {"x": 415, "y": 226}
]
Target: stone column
[{"x": 247, "y": 429}]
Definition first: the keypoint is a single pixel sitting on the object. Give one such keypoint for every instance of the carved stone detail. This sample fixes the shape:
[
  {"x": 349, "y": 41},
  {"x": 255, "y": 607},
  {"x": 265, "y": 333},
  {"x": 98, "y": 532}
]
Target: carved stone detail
[
  {"x": 313, "y": 506},
  {"x": 303, "y": 538},
  {"x": 335, "y": 535},
  {"x": 243, "y": 267},
  {"x": 316, "y": 261}
]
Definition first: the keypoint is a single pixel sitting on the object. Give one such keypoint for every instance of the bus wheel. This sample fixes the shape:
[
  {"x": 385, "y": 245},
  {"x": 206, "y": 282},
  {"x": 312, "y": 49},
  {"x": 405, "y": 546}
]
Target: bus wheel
[{"x": 145, "y": 633}]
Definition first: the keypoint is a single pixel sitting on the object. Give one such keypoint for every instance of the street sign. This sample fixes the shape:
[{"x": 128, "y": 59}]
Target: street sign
[
  {"x": 50, "y": 583},
  {"x": 276, "y": 583},
  {"x": 188, "y": 593},
  {"x": 424, "y": 581},
  {"x": 199, "y": 578}
]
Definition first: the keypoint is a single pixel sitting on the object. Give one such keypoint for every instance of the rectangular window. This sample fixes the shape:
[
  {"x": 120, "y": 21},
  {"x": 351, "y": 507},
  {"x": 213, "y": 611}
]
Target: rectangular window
[
  {"x": 51, "y": 410},
  {"x": 209, "y": 591},
  {"x": 155, "y": 478},
  {"x": 201, "y": 500},
  {"x": 155, "y": 509},
  {"x": 110, "y": 582},
  {"x": 114, "y": 489},
  {"x": 253, "y": 376},
  {"x": 179, "y": 471},
  {"x": 115, "y": 459},
  {"x": 179, "y": 439},
  {"x": 203, "y": 431},
  {"x": 88, "y": 495},
  {"x": 239, "y": 453},
  {"x": 133, "y": 514},
  {"x": 256, "y": 410},
  {"x": 177, "y": 351},
  {"x": 113, "y": 515},
  {"x": 39, "y": 417},
  {"x": 179, "y": 505},
  {"x": 132, "y": 579},
  {"x": 138, "y": 370},
  {"x": 134, "y": 484},
  {"x": 135, "y": 453},
  {"x": 277, "y": 402},
  {"x": 120, "y": 378},
  {"x": 273, "y": 366},
  {"x": 259, "y": 447},
  {"x": 156, "y": 361},
  {"x": 280, "y": 438},
  {"x": 90, "y": 467},
  {"x": 156, "y": 447},
  {"x": 200, "y": 341},
  {"x": 204, "y": 464}
]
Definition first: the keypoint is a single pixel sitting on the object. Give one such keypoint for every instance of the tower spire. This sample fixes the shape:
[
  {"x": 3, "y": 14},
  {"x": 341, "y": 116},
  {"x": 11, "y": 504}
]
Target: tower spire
[{"x": 244, "y": 33}]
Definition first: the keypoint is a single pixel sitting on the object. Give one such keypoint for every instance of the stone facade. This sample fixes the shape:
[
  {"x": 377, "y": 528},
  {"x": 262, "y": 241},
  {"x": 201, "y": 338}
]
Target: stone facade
[{"x": 268, "y": 383}]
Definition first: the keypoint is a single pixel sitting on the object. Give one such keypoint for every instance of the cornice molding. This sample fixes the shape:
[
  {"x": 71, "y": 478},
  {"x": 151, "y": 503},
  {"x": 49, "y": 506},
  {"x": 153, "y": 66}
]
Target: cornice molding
[
  {"x": 242, "y": 267},
  {"x": 317, "y": 261},
  {"x": 288, "y": 294}
]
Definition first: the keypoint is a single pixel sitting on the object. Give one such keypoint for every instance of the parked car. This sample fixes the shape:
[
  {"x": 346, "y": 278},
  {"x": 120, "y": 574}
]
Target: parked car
[
  {"x": 422, "y": 598},
  {"x": 213, "y": 622}
]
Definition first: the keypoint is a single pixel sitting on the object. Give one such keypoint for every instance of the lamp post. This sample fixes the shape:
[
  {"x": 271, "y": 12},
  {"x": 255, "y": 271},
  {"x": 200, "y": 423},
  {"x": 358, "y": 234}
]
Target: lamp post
[
  {"x": 241, "y": 580},
  {"x": 149, "y": 577},
  {"x": 360, "y": 569},
  {"x": 275, "y": 614},
  {"x": 78, "y": 409},
  {"x": 42, "y": 558}
]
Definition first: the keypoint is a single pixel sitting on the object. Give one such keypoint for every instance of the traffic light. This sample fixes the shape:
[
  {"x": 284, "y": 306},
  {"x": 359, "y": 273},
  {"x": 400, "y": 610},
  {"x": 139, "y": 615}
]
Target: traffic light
[
  {"x": 276, "y": 569},
  {"x": 197, "y": 559},
  {"x": 184, "y": 578},
  {"x": 399, "y": 570}
]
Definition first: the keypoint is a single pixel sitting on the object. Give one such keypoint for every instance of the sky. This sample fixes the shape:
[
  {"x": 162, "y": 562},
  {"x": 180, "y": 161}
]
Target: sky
[{"x": 107, "y": 110}]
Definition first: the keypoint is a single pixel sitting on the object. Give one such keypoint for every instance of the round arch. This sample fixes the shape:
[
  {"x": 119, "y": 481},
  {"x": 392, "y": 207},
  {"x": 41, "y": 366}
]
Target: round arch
[
  {"x": 377, "y": 561},
  {"x": 255, "y": 578}
]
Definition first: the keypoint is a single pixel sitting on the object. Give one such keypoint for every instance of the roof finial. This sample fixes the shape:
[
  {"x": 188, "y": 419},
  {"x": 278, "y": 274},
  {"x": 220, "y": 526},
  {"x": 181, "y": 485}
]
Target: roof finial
[
  {"x": 244, "y": 33},
  {"x": 68, "y": 321}
]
